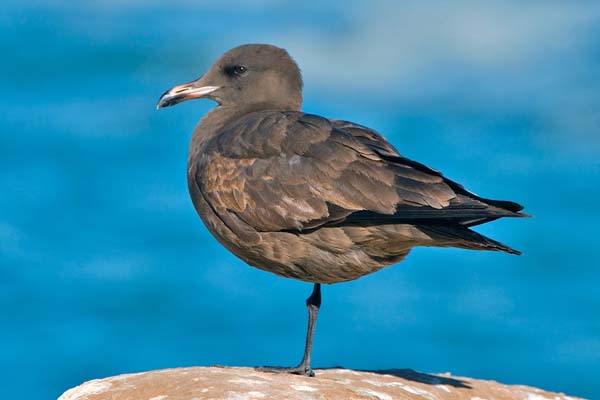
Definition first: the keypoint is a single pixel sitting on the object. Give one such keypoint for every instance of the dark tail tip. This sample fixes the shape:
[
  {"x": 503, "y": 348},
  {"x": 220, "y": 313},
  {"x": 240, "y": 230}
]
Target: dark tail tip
[
  {"x": 495, "y": 245},
  {"x": 509, "y": 250}
]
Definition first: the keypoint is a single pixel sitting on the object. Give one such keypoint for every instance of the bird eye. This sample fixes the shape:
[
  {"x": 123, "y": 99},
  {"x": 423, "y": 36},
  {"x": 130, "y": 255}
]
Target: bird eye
[
  {"x": 235, "y": 71},
  {"x": 239, "y": 70}
]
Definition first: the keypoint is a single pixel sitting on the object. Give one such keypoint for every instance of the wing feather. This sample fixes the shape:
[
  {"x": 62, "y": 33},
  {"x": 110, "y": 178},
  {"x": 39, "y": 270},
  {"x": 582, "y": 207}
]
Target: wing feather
[{"x": 289, "y": 171}]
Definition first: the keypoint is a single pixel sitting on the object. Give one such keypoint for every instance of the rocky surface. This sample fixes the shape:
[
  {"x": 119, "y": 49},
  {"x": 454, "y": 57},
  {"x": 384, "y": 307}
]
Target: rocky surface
[{"x": 199, "y": 383}]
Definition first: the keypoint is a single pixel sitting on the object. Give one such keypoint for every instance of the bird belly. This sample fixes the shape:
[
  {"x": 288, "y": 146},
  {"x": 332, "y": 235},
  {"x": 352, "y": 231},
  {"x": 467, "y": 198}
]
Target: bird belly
[{"x": 327, "y": 255}]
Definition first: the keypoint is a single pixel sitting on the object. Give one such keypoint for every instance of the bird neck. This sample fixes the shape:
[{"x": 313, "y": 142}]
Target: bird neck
[
  {"x": 219, "y": 117},
  {"x": 222, "y": 115}
]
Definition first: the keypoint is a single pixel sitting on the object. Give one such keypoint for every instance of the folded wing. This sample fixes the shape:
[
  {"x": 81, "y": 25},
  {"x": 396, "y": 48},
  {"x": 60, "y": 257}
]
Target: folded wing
[{"x": 289, "y": 171}]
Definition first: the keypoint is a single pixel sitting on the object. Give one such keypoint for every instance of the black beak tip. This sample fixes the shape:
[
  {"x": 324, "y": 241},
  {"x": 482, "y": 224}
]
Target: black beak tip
[{"x": 165, "y": 100}]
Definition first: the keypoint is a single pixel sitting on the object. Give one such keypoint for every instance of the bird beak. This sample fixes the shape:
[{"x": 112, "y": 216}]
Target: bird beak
[{"x": 187, "y": 91}]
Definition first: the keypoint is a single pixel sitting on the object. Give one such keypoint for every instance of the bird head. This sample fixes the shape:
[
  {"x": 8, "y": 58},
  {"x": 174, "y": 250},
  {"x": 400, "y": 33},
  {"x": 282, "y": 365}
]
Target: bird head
[{"x": 252, "y": 75}]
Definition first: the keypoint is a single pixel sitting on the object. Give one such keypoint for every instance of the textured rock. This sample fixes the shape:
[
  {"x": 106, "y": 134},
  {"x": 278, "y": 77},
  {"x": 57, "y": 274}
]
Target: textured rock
[{"x": 199, "y": 383}]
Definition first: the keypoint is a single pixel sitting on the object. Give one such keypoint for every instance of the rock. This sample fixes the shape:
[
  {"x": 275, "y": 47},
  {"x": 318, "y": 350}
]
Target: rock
[{"x": 234, "y": 383}]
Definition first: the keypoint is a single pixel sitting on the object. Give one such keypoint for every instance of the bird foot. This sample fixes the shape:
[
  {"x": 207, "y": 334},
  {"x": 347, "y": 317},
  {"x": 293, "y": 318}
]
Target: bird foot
[{"x": 299, "y": 370}]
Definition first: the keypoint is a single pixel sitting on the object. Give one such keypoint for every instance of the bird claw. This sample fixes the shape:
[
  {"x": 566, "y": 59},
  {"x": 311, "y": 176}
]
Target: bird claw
[{"x": 299, "y": 370}]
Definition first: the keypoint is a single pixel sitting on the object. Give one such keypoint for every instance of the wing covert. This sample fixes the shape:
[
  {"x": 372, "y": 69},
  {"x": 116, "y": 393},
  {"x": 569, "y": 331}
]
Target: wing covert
[{"x": 289, "y": 171}]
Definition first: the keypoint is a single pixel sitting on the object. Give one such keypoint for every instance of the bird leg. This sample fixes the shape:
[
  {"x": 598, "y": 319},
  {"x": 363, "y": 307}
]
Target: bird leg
[{"x": 312, "y": 304}]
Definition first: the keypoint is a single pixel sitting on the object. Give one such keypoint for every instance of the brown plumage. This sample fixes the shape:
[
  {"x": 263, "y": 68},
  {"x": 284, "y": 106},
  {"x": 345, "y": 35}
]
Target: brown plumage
[{"x": 309, "y": 198}]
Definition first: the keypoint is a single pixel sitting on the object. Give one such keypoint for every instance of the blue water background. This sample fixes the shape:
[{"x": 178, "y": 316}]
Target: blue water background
[{"x": 105, "y": 267}]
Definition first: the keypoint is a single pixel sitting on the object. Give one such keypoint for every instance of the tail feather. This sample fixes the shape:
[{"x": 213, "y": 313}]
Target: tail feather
[{"x": 462, "y": 237}]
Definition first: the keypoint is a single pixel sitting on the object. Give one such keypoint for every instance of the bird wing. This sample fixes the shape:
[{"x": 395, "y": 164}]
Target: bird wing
[
  {"x": 489, "y": 209},
  {"x": 290, "y": 171}
]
